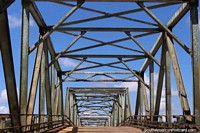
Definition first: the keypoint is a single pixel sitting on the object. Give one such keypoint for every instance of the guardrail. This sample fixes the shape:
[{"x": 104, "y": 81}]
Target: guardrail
[
  {"x": 141, "y": 121},
  {"x": 48, "y": 122}
]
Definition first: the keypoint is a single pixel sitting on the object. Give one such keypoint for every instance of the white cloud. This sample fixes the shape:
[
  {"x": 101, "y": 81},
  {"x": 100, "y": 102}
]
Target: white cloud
[
  {"x": 68, "y": 62},
  {"x": 4, "y": 110},
  {"x": 131, "y": 85},
  {"x": 15, "y": 21},
  {"x": 3, "y": 96}
]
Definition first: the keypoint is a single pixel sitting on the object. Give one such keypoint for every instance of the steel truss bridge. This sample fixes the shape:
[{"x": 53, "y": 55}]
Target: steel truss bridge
[{"x": 142, "y": 42}]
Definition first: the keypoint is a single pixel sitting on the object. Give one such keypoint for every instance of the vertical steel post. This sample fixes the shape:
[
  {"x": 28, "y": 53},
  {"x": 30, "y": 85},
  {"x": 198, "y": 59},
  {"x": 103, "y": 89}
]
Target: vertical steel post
[
  {"x": 120, "y": 108},
  {"x": 61, "y": 99},
  {"x": 74, "y": 110},
  {"x": 123, "y": 107},
  {"x": 41, "y": 90},
  {"x": 137, "y": 104},
  {"x": 128, "y": 103},
  {"x": 145, "y": 99},
  {"x": 67, "y": 106},
  {"x": 179, "y": 80},
  {"x": 56, "y": 99},
  {"x": 24, "y": 62},
  {"x": 52, "y": 84},
  {"x": 47, "y": 84},
  {"x": 141, "y": 100},
  {"x": 34, "y": 82},
  {"x": 114, "y": 112},
  {"x": 151, "y": 83},
  {"x": 167, "y": 82},
  {"x": 159, "y": 86},
  {"x": 71, "y": 107},
  {"x": 8, "y": 67},
  {"x": 195, "y": 59}
]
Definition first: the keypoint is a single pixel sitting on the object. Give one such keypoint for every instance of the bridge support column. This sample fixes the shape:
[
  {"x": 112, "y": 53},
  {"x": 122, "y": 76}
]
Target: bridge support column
[
  {"x": 195, "y": 59},
  {"x": 71, "y": 108},
  {"x": 113, "y": 114},
  {"x": 145, "y": 99},
  {"x": 179, "y": 80},
  {"x": 141, "y": 101},
  {"x": 52, "y": 84},
  {"x": 24, "y": 62},
  {"x": 116, "y": 114},
  {"x": 60, "y": 99},
  {"x": 137, "y": 104},
  {"x": 41, "y": 91},
  {"x": 151, "y": 82},
  {"x": 167, "y": 82},
  {"x": 47, "y": 84},
  {"x": 8, "y": 67},
  {"x": 120, "y": 109},
  {"x": 123, "y": 107},
  {"x": 34, "y": 83},
  {"x": 67, "y": 106},
  {"x": 159, "y": 85}
]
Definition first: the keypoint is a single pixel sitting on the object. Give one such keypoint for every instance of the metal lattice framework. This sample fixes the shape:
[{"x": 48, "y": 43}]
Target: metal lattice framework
[
  {"x": 90, "y": 33},
  {"x": 98, "y": 106}
]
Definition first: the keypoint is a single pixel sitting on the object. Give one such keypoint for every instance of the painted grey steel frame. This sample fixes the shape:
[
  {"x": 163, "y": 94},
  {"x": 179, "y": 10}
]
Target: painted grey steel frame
[{"x": 53, "y": 90}]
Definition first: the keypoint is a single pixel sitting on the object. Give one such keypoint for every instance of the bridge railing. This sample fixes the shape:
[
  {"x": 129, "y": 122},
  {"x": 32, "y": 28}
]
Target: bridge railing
[
  {"x": 40, "y": 123},
  {"x": 143, "y": 122}
]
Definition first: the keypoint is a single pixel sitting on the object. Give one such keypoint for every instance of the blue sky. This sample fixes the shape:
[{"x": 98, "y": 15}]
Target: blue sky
[{"x": 60, "y": 41}]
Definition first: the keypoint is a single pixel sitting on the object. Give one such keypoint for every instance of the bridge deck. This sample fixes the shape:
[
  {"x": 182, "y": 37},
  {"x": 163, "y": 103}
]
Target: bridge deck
[{"x": 99, "y": 130}]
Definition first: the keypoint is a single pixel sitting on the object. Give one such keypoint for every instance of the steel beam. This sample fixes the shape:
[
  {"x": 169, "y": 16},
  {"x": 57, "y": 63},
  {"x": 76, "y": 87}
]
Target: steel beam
[
  {"x": 145, "y": 99},
  {"x": 42, "y": 91},
  {"x": 165, "y": 28},
  {"x": 47, "y": 84},
  {"x": 5, "y": 4},
  {"x": 41, "y": 23},
  {"x": 56, "y": 99},
  {"x": 137, "y": 103},
  {"x": 178, "y": 15},
  {"x": 179, "y": 80},
  {"x": 85, "y": 80},
  {"x": 134, "y": 73},
  {"x": 101, "y": 73},
  {"x": 8, "y": 66},
  {"x": 159, "y": 85},
  {"x": 59, "y": 103},
  {"x": 68, "y": 47},
  {"x": 111, "y": 43},
  {"x": 102, "y": 56},
  {"x": 52, "y": 29},
  {"x": 151, "y": 83},
  {"x": 167, "y": 83},
  {"x": 108, "y": 29},
  {"x": 24, "y": 62},
  {"x": 34, "y": 83},
  {"x": 61, "y": 99},
  {"x": 195, "y": 60},
  {"x": 141, "y": 47},
  {"x": 111, "y": 64},
  {"x": 67, "y": 103},
  {"x": 128, "y": 103},
  {"x": 52, "y": 84},
  {"x": 141, "y": 100}
]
